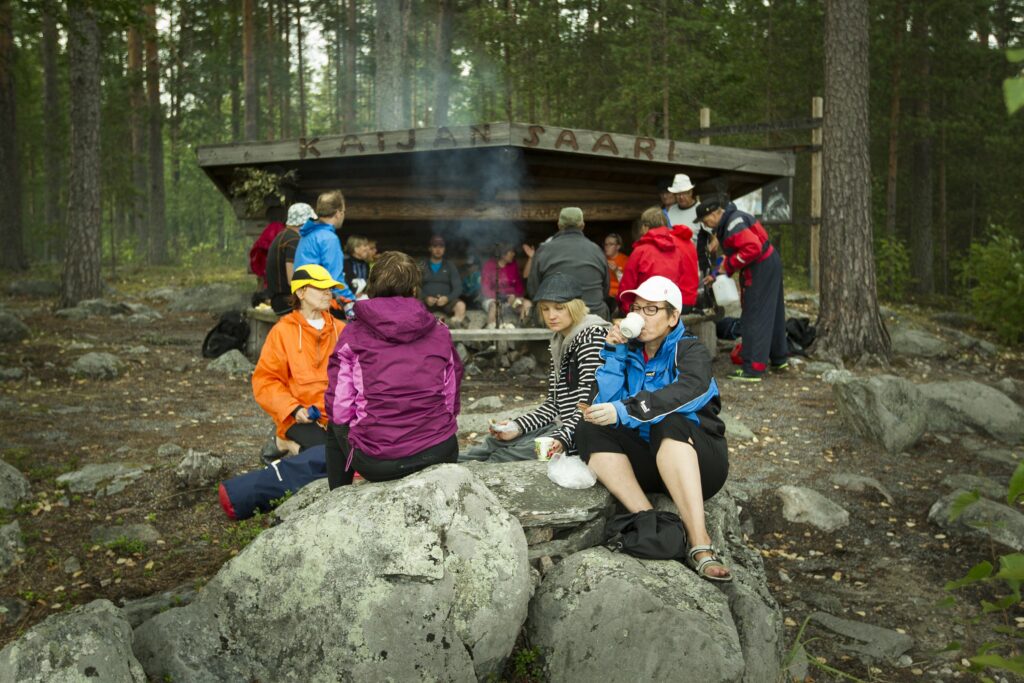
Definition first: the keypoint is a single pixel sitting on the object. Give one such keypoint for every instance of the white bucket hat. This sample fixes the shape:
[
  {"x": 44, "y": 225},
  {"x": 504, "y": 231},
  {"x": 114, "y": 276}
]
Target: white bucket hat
[
  {"x": 681, "y": 183},
  {"x": 659, "y": 288},
  {"x": 299, "y": 213}
]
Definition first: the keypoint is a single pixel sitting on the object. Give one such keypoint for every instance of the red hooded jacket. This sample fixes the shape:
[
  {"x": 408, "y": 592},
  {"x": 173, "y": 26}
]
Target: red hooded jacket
[{"x": 665, "y": 252}]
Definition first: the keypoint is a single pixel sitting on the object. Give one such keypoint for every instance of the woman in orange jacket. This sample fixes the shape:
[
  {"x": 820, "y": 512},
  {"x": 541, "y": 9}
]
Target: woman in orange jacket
[{"x": 291, "y": 375}]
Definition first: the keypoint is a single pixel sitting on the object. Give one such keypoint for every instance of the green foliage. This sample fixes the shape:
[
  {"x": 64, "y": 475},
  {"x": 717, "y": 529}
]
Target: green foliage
[
  {"x": 799, "y": 647},
  {"x": 241, "y": 534},
  {"x": 1013, "y": 88},
  {"x": 1006, "y": 581},
  {"x": 993, "y": 275},
  {"x": 892, "y": 268},
  {"x": 127, "y": 546},
  {"x": 257, "y": 186},
  {"x": 527, "y": 665}
]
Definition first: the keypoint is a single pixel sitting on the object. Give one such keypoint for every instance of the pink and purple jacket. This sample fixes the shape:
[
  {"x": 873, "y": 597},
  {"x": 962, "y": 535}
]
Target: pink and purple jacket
[
  {"x": 508, "y": 279},
  {"x": 394, "y": 379}
]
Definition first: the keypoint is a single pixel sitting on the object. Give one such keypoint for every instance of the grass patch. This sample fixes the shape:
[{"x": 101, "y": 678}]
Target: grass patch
[{"x": 127, "y": 546}]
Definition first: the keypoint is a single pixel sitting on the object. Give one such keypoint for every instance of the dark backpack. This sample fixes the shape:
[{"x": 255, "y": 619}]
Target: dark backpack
[
  {"x": 230, "y": 332},
  {"x": 649, "y": 534},
  {"x": 800, "y": 333}
]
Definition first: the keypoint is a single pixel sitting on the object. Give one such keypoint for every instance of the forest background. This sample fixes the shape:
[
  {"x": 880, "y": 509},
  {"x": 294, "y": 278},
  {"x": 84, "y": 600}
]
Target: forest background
[{"x": 947, "y": 162}]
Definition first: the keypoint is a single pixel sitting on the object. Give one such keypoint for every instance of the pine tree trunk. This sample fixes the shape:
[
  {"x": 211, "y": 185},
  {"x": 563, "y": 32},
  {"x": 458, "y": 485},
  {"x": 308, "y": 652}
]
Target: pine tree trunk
[
  {"x": 252, "y": 102},
  {"x": 12, "y": 255},
  {"x": 388, "y": 81},
  {"x": 137, "y": 133},
  {"x": 922, "y": 241},
  {"x": 302, "y": 73},
  {"x": 286, "y": 70},
  {"x": 351, "y": 36},
  {"x": 443, "y": 62},
  {"x": 157, "y": 213},
  {"x": 80, "y": 278},
  {"x": 849, "y": 324},
  {"x": 55, "y": 151},
  {"x": 233, "y": 70},
  {"x": 269, "y": 53},
  {"x": 892, "y": 167}
]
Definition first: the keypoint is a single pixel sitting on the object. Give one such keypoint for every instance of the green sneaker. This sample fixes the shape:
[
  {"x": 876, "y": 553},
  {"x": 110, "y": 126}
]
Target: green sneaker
[
  {"x": 784, "y": 365},
  {"x": 744, "y": 376}
]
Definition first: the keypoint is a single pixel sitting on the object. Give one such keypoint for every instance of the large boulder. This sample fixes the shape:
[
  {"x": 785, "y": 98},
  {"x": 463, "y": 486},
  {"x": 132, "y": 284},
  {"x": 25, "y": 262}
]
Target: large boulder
[
  {"x": 885, "y": 409},
  {"x": 90, "y": 642},
  {"x": 233, "y": 362},
  {"x": 14, "y": 487},
  {"x": 11, "y": 329},
  {"x": 96, "y": 365},
  {"x": 984, "y": 519},
  {"x": 102, "y": 479},
  {"x": 604, "y": 616},
  {"x": 217, "y": 297},
  {"x": 973, "y": 407},
  {"x": 911, "y": 341},
  {"x": 806, "y": 506},
  {"x": 424, "y": 578},
  {"x": 34, "y": 288}
]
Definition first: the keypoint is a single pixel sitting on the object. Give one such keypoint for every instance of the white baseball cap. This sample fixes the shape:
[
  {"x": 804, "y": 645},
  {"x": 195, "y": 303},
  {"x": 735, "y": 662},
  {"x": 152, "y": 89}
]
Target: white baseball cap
[
  {"x": 681, "y": 183},
  {"x": 659, "y": 288}
]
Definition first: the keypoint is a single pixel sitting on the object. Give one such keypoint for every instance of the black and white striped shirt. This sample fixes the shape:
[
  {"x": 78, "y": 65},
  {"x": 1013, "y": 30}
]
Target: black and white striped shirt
[{"x": 568, "y": 386}]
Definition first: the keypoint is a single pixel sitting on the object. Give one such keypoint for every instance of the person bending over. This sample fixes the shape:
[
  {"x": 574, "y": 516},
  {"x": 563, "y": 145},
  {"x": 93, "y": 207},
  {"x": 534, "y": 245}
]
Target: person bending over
[
  {"x": 576, "y": 343},
  {"x": 654, "y": 425},
  {"x": 291, "y": 374},
  {"x": 393, "y": 382}
]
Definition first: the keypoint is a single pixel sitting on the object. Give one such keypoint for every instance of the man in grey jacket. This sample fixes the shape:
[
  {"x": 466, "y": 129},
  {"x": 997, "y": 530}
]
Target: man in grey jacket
[
  {"x": 442, "y": 284},
  {"x": 571, "y": 253}
]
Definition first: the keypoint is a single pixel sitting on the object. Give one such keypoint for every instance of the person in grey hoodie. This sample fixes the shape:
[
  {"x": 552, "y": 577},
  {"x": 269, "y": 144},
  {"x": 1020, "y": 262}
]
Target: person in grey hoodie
[
  {"x": 575, "y": 356},
  {"x": 571, "y": 253}
]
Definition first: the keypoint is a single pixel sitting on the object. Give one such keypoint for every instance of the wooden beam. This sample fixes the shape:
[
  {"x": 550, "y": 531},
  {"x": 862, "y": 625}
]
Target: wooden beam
[
  {"x": 705, "y": 124},
  {"x": 413, "y": 210},
  {"x": 817, "y": 111}
]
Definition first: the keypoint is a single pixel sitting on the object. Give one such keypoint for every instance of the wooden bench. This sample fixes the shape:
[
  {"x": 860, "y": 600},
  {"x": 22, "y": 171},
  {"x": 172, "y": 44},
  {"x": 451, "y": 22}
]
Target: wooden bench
[{"x": 262, "y": 319}]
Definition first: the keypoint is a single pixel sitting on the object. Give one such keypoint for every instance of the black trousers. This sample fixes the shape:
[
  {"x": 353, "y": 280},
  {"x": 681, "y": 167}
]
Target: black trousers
[
  {"x": 712, "y": 450},
  {"x": 763, "y": 320},
  {"x": 307, "y": 435},
  {"x": 375, "y": 469}
]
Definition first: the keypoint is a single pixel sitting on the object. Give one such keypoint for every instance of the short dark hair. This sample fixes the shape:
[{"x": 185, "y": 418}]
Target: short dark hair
[
  {"x": 394, "y": 273},
  {"x": 615, "y": 236}
]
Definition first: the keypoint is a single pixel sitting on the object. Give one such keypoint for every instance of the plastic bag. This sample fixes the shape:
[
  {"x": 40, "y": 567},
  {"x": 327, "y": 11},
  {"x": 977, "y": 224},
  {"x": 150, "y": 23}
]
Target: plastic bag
[{"x": 570, "y": 472}]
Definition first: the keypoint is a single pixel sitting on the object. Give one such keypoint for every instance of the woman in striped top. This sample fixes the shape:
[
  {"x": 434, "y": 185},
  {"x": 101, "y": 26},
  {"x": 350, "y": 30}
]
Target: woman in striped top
[{"x": 575, "y": 356}]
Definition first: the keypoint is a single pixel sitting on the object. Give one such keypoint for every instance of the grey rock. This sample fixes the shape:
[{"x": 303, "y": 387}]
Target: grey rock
[
  {"x": 983, "y": 519},
  {"x": 734, "y": 429},
  {"x": 817, "y": 367},
  {"x": 12, "y": 330},
  {"x": 213, "y": 298},
  {"x": 804, "y": 506},
  {"x": 169, "y": 451},
  {"x": 911, "y": 341},
  {"x": 971, "y": 406},
  {"x": 89, "y": 642},
  {"x": 142, "y": 313},
  {"x": 103, "y": 479},
  {"x": 460, "y": 349},
  {"x": 8, "y": 374},
  {"x": 302, "y": 499},
  {"x": 1012, "y": 387},
  {"x": 71, "y": 565},
  {"x": 969, "y": 343},
  {"x": 12, "y": 610},
  {"x": 146, "y": 533},
  {"x": 14, "y": 487},
  {"x": 233, "y": 362},
  {"x": 165, "y": 294},
  {"x": 72, "y": 313},
  {"x": 140, "y": 350},
  {"x": 484, "y": 404},
  {"x": 985, "y": 486},
  {"x": 884, "y": 409},
  {"x": 836, "y": 376},
  {"x": 436, "y": 586},
  {"x": 137, "y": 612},
  {"x": 96, "y": 365},
  {"x": 39, "y": 289},
  {"x": 103, "y": 307},
  {"x": 11, "y": 547},
  {"x": 586, "y": 535},
  {"x": 801, "y": 298},
  {"x": 955, "y": 319},
  {"x": 480, "y": 422},
  {"x": 472, "y": 369},
  {"x": 859, "y": 483},
  {"x": 80, "y": 346},
  {"x": 475, "y": 320},
  {"x": 874, "y": 642},
  {"x": 1000, "y": 456},
  {"x": 198, "y": 468},
  {"x": 523, "y": 366}
]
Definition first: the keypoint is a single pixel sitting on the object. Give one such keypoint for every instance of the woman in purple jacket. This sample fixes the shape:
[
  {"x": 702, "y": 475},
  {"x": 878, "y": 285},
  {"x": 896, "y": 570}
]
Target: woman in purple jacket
[{"x": 393, "y": 382}]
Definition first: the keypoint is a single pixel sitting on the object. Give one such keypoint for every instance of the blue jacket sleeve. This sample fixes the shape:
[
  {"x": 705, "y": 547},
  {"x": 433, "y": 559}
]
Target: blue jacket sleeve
[{"x": 610, "y": 378}]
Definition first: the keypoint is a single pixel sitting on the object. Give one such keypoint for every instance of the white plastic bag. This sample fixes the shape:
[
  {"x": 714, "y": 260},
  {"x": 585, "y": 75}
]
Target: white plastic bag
[{"x": 570, "y": 472}]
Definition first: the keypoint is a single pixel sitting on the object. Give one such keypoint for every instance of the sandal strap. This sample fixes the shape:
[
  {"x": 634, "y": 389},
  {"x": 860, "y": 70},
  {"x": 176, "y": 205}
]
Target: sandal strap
[
  {"x": 697, "y": 549},
  {"x": 709, "y": 560}
]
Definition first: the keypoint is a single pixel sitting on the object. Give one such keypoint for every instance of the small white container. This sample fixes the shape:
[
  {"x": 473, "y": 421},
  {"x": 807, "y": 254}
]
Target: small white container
[
  {"x": 542, "y": 446},
  {"x": 725, "y": 291},
  {"x": 631, "y": 325}
]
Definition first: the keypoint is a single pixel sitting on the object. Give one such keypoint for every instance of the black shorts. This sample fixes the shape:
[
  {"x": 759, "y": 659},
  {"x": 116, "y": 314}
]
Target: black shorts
[{"x": 712, "y": 451}]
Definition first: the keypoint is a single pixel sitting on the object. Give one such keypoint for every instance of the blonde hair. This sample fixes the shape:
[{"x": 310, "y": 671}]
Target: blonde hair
[
  {"x": 577, "y": 309},
  {"x": 329, "y": 203},
  {"x": 354, "y": 242}
]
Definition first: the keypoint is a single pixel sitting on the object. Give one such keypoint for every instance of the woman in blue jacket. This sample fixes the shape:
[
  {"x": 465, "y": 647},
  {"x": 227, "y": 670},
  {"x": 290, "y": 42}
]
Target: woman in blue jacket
[{"x": 654, "y": 425}]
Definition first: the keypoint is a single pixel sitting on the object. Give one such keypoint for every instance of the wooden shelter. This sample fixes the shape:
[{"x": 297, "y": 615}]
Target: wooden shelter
[{"x": 486, "y": 182}]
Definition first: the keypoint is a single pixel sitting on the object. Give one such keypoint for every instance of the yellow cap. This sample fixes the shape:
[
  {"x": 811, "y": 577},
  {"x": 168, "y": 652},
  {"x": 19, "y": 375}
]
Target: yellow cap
[{"x": 313, "y": 275}]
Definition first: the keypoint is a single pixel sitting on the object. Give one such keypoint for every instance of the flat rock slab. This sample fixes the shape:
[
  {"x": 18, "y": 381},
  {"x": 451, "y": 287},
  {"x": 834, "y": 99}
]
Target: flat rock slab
[
  {"x": 484, "y": 404},
  {"x": 990, "y": 488},
  {"x": 973, "y": 407},
  {"x": 146, "y": 533},
  {"x": 91, "y": 642},
  {"x": 136, "y": 612},
  {"x": 884, "y": 409},
  {"x": 1000, "y": 456},
  {"x": 734, "y": 429},
  {"x": 14, "y": 487},
  {"x": 911, "y": 341},
  {"x": 804, "y": 506},
  {"x": 102, "y": 479},
  {"x": 859, "y": 483},
  {"x": 983, "y": 519},
  {"x": 875, "y": 642}
]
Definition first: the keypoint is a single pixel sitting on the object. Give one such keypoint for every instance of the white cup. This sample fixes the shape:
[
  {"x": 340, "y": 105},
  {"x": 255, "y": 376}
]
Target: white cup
[
  {"x": 542, "y": 446},
  {"x": 631, "y": 325}
]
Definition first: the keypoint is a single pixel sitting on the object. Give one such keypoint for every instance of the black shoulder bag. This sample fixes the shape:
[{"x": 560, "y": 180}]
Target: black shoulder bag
[{"x": 649, "y": 534}]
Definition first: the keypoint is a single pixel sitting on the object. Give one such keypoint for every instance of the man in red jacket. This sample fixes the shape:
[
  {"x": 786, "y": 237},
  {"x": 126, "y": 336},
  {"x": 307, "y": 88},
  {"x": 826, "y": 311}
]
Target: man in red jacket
[
  {"x": 661, "y": 251},
  {"x": 748, "y": 251}
]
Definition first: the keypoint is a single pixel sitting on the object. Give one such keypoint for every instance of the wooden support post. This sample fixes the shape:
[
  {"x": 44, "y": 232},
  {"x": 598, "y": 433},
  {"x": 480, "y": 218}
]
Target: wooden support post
[
  {"x": 705, "y": 122},
  {"x": 817, "y": 111}
]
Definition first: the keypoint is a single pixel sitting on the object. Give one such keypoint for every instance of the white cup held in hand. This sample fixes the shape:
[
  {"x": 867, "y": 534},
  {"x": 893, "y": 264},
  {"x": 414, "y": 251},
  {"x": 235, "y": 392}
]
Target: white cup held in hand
[
  {"x": 542, "y": 446},
  {"x": 631, "y": 325}
]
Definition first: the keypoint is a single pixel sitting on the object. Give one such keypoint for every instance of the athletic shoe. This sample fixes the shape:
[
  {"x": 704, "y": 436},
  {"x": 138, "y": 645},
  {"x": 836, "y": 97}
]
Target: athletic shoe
[
  {"x": 784, "y": 365},
  {"x": 744, "y": 376}
]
